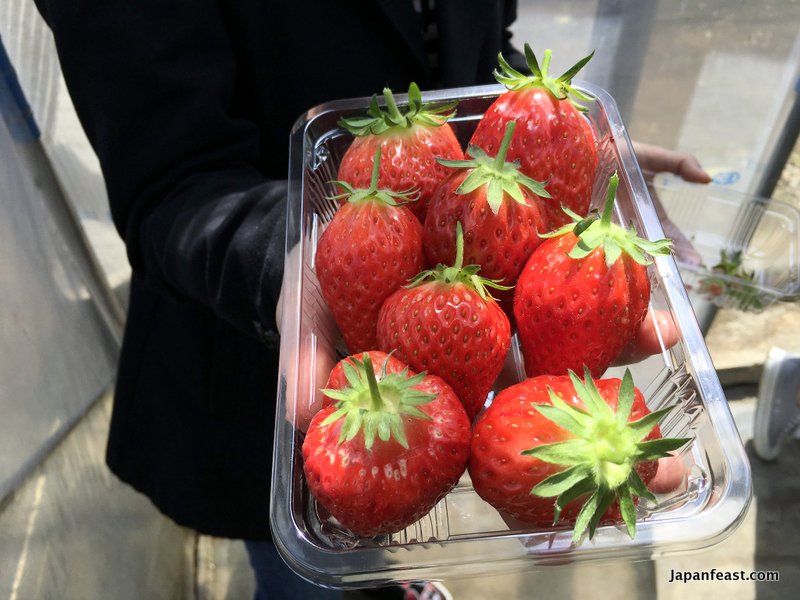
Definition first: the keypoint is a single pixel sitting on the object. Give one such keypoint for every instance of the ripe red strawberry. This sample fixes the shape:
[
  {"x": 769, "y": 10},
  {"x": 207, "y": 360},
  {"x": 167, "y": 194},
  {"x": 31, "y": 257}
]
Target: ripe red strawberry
[
  {"x": 498, "y": 208},
  {"x": 554, "y": 141},
  {"x": 371, "y": 247},
  {"x": 583, "y": 294},
  {"x": 409, "y": 141},
  {"x": 389, "y": 449},
  {"x": 592, "y": 445},
  {"x": 445, "y": 322}
]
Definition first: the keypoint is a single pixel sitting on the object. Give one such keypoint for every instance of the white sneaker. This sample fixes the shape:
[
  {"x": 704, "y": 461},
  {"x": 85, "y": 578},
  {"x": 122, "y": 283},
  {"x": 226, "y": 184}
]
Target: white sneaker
[{"x": 777, "y": 415}]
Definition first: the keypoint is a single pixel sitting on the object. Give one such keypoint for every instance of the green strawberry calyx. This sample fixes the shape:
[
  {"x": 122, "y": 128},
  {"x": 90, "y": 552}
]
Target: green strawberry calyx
[
  {"x": 457, "y": 273},
  {"x": 372, "y": 193},
  {"x": 500, "y": 176},
  {"x": 560, "y": 87},
  {"x": 594, "y": 232},
  {"x": 376, "y": 407},
  {"x": 378, "y": 121},
  {"x": 601, "y": 456}
]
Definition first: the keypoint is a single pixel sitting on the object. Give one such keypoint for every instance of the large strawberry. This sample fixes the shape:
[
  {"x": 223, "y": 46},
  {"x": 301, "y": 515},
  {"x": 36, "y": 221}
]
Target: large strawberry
[
  {"x": 409, "y": 140},
  {"x": 593, "y": 445},
  {"x": 389, "y": 449},
  {"x": 447, "y": 323},
  {"x": 583, "y": 294},
  {"x": 554, "y": 141},
  {"x": 498, "y": 208},
  {"x": 371, "y": 247}
]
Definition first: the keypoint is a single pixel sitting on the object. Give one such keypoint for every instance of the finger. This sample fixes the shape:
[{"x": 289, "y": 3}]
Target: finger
[
  {"x": 660, "y": 160},
  {"x": 671, "y": 475},
  {"x": 657, "y": 333}
]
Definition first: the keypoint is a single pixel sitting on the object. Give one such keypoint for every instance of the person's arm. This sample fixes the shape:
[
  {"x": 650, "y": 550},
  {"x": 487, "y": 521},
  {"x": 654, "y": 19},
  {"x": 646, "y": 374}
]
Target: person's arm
[{"x": 153, "y": 85}]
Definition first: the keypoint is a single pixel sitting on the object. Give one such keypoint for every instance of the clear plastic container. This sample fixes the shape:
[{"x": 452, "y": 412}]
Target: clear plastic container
[
  {"x": 462, "y": 535},
  {"x": 746, "y": 249}
]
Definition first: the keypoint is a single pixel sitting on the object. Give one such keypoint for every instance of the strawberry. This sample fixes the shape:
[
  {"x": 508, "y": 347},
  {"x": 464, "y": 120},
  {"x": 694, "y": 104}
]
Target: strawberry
[
  {"x": 554, "y": 140},
  {"x": 583, "y": 294},
  {"x": 592, "y": 445},
  {"x": 446, "y": 322},
  {"x": 371, "y": 247},
  {"x": 499, "y": 210},
  {"x": 409, "y": 142},
  {"x": 391, "y": 447}
]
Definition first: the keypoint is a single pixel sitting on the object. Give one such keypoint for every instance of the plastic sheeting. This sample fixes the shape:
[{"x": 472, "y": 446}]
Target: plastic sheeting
[{"x": 57, "y": 355}]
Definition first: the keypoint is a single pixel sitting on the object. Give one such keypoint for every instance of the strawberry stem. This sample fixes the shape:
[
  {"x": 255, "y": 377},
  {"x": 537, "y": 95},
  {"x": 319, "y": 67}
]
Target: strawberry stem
[
  {"x": 378, "y": 121},
  {"x": 459, "y": 247},
  {"x": 460, "y": 274},
  {"x": 376, "y": 407},
  {"x": 560, "y": 87},
  {"x": 372, "y": 193},
  {"x": 394, "y": 112},
  {"x": 376, "y": 166},
  {"x": 600, "y": 457},
  {"x": 374, "y": 389},
  {"x": 500, "y": 159},
  {"x": 503, "y": 179},
  {"x": 593, "y": 232},
  {"x": 611, "y": 193}
]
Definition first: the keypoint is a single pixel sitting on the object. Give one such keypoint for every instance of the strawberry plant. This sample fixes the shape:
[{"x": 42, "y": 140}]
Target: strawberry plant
[
  {"x": 591, "y": 445},
  {"x": 446, "y": 322},
  {"x": 554, "y": 142},
  {"x": 499, "y": 209},
  {"x": 583, "y": 293},
  {"x": 371, "y": 247},
  {"x": 409, "y": 142},
  {"x": 388, "y": 449}
]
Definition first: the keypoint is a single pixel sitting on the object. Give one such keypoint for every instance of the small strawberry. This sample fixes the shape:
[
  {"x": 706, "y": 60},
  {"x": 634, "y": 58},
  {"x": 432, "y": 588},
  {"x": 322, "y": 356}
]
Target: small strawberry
[
  {"x": 593, "y": 445},
  {"x": 371, "y": 247},
  {"x": 389, "y": 449},
  {"x": 554, "y": 142},
  {"x": 447, "y": 323},
  {"x": 498, "y": 208},
  {"x": 409, "y": 141},
  {"x": 583, "y": 294}
]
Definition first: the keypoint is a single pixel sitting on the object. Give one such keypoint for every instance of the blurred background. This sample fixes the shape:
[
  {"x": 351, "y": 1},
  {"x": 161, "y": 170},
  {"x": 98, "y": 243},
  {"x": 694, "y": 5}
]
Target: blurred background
[{"x": 717, "y": 78}]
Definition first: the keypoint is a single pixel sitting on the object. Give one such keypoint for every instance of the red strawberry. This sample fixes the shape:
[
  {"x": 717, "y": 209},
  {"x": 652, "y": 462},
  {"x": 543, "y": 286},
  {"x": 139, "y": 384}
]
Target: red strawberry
[
  {"x": 446, "y": 322},
  {"x": 593, "y": 445},
  {"x": 554, "y": 140},
  {"x": 409, "y": 141},
  {"x": 371, "y": 247},
  {"x": 390, "y": 448},
  {"x": 583, "y": 294},
  {"x": 498, "y": 208}
]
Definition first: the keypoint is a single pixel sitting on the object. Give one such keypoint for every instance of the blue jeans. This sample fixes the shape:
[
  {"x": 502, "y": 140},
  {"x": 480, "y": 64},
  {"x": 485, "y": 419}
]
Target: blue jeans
[{"x": 276, "y": 581}]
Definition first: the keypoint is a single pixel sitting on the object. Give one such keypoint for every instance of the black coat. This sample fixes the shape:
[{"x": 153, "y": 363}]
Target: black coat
[{"x": 188, "y": 104}]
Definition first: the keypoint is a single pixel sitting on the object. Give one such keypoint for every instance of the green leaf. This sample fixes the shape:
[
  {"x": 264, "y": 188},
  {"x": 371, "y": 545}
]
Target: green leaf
[
  {"x": 560, "y": 482},
  {"x": 563, "y": 416},
  {"x": 494, "y": 195},
  {"x": 637, "y": 486},
  {"x": 660, "y": 448},
  {"x": 627, "y": 509},
  {"x": 606, "y": 498},
  {"x": 625, "y": 398},
  {"x": 581, "y": 488},
  {"x": 396, "y": 426},
  {"x": 585, "y": 515},
  {"x": 569, "y": 452},
  {"x": 643, "y": 426}
]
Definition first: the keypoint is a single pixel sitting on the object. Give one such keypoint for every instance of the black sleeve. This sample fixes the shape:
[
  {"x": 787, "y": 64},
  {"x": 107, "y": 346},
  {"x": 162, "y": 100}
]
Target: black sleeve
[{"x": 153, "y": 84}]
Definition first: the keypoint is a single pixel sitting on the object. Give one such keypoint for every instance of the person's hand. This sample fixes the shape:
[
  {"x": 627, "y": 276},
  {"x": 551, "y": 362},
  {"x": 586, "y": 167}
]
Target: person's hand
[
  {"x": 321, "y": 352},
  {"x": 654, "y": 160}
]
